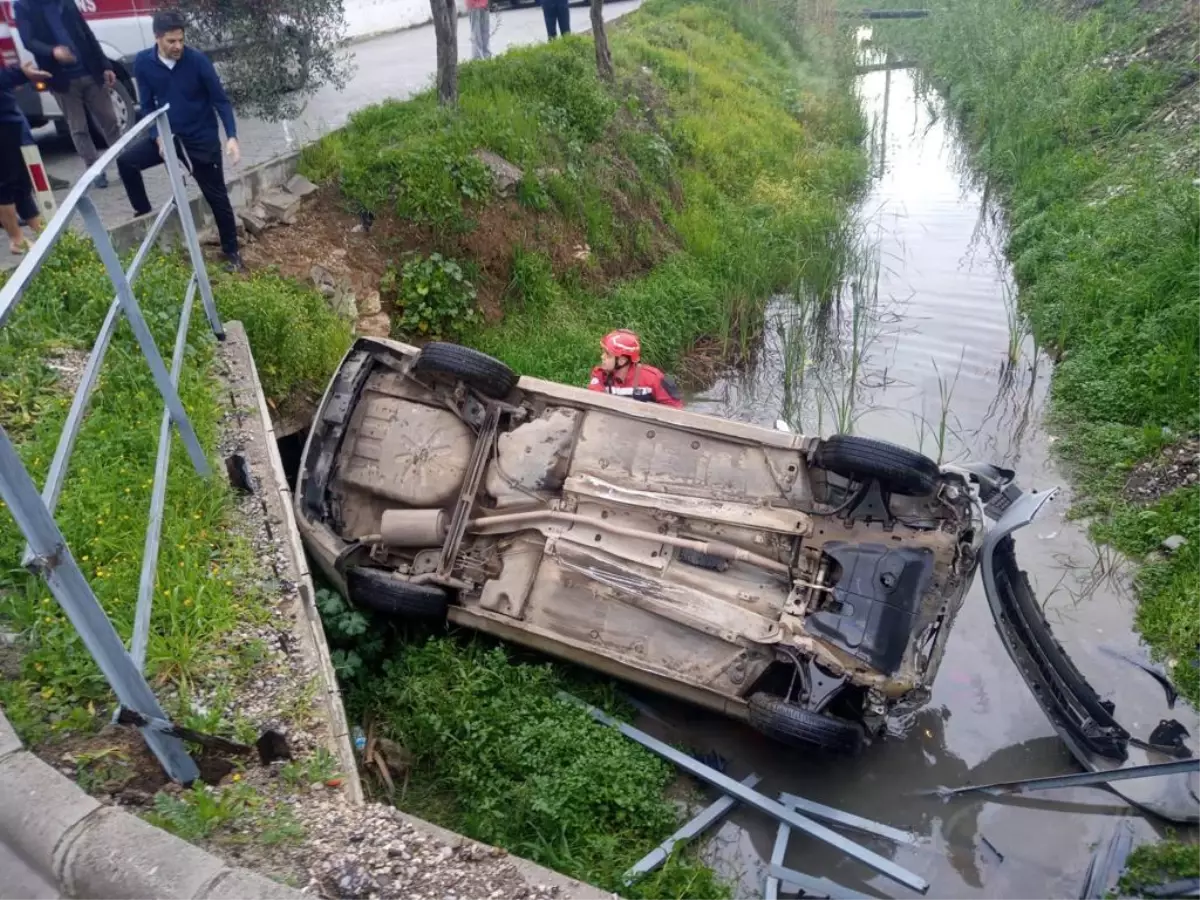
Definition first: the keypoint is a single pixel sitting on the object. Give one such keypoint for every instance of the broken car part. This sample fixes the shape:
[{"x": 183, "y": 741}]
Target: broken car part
[
  {"x": 1077, "y": 779},
  {"x": 1109, "y": 859},
  {"x": 758, "y": 801},
  {"x": 1156, "y": 672}
]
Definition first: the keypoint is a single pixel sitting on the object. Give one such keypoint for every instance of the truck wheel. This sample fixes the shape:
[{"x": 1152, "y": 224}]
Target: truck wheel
[
  {"x": 489, "y": 376},
  {"x": 383, "y": 592},
  {"x": 897, "y": 469},
  {"x": 791, "y": 724}
]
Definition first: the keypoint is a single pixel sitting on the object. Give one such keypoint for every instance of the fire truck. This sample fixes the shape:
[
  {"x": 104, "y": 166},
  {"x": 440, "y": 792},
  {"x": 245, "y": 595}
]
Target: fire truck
[{"x": 121, "y": 26}]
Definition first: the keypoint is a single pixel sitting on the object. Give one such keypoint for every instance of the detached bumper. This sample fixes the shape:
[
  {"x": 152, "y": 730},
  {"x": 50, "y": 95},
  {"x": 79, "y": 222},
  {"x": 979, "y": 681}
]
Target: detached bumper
[{"x": 1081, "y": 718}]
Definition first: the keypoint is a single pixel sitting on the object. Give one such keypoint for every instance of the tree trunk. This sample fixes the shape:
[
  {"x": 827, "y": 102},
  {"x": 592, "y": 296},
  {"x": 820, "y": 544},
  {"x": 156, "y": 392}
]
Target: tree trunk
[
  {"x": 604, "y": 64},
  {"x": 445, "y": 28}
]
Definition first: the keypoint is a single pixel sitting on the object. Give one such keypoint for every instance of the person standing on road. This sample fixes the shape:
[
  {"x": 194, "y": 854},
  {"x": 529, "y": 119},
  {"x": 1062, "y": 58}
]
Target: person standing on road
[
  {"x": 558, "y": 17},
  {"x": 15, "y": 186},
  {"x": 171, "y": 73},
  {"x": 80, "y": 75},
  {"x": 481, "y": 29}
]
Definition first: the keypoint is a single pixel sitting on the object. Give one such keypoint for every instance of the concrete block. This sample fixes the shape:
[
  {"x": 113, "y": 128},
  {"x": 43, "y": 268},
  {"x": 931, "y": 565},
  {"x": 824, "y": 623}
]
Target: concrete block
[
  {"x": 238, "y": 884},
  {"x": 9, "y": 742},
  {"x": 119, "y": 855},
  {"x": 38, "y": 806},
  {"x": 280, "y": 205},
  {"x": 300, "y": 186}
]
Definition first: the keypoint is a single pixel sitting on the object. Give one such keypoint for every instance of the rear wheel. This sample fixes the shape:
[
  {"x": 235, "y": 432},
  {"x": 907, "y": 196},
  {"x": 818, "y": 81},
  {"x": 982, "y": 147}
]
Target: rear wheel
[
  {"x": 791, "y": 724},
  {"x": 489, "y": 376},
  {"x": 386, "y": 593},
  {"x": 897, "y": 469}
]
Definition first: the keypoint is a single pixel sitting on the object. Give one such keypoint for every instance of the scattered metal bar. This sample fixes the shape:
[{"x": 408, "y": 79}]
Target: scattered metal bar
[
  {"x": 165, "y": 726},
  {"x": 1185, "y": 887},
  {"x": 158, "y": 495},
  {"x": 1079, "y": 779},
  {"x": 849, "y": 820},
  {"x": 778, "y": 853},
  {"x": 758, "y": 801},
  {"x": 53, "y": 559},
  {"x": 91, "y": 371},
  {"x": 707, "y": 817},
  {"x": 813, "y": 886},
  {"x": 141, "y": 331}
]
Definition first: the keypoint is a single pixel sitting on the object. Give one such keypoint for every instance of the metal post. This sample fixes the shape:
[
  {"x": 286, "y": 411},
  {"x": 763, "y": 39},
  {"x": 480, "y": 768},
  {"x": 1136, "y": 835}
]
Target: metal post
[
  {"x": 158, "y": 497},
  {"x": 188, "y": 224},
  {"x": 91, "y": 371},
  {"x": 108, "y": 254},
  {"x": 74, "y": 595}
]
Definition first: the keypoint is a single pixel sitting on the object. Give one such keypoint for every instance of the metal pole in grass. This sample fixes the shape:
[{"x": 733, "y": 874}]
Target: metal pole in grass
[{"x": 53, "y": 560}]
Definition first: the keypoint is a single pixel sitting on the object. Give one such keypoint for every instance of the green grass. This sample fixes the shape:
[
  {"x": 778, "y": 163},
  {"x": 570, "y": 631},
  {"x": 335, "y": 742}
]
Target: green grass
[
  {"x": 1154, "y": 864},
  {"x": 207, "y": 577},
  {"x": 1103, "y": 243},
  {"x": 501, "y": 759},
  {"x": 759, "y": 137}
]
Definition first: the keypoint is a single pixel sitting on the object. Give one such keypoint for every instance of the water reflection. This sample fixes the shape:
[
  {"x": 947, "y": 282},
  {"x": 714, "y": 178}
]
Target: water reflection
[{"x": 921, "y": 342}]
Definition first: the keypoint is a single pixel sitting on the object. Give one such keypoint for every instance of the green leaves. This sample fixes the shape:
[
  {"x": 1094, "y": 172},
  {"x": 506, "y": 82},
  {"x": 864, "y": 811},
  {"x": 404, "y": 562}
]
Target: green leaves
[{"x": 433, "y": 295}]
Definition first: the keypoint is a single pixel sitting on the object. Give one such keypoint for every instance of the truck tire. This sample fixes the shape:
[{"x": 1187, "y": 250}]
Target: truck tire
[
  {"x": 383, "y": 592},
  {"x": 791, "y": 724},
  {"x": 489, "y": 376},
  {"x": 897, "y": 469}
]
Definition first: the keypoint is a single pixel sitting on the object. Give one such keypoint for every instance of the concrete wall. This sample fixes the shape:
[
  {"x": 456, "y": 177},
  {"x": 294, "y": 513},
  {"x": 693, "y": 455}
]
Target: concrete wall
[{"x": 369, "y": 17}]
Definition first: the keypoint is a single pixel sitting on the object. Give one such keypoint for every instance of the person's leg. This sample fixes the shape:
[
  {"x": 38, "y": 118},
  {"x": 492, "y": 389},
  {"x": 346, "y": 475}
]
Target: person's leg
[
  {"x": 550, "y": 13},
  {"x": 564, "y": 17},
  {"x": 486, "y": 33},
  {"x": 71, "y": 101},
  {"x": 210, "y": 178},
  {"x": 27, "y": 208},
  {"x": 130, "y": 164},
  {"x": 476, "y": 16},
  {"x": 14, "y": 180},
  {"x": 97, "y": 99}
]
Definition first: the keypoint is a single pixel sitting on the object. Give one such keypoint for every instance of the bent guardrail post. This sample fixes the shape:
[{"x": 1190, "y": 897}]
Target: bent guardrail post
[
  {"x": 179, "y": 192},
  {"x": 778, "y": 854},
  {"x": 704, "y": 820},
  {"x": 758, "y": 801},
  {"x": 53, "y": 560},
  {"x": 1077, "y": 779},
  {"x": 847, "y": 820},
  {"x": 812, "y": 886}
]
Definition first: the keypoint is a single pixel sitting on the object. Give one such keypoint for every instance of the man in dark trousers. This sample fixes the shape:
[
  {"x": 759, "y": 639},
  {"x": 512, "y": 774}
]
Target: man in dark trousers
[
  {"x": 558, "y": 18},
  {"x": 170, "y": 73},
  {"x": 81, "y": 76}
]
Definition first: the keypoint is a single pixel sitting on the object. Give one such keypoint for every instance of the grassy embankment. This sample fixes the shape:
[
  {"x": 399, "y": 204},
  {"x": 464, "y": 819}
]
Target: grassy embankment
[
  {"x": 716, "y": 171},
  {"x": 1079, "y": 118}
]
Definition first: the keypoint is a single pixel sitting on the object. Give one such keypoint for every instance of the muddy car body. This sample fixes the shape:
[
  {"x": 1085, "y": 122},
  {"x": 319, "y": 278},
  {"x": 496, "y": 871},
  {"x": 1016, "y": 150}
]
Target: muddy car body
[{"x": 806, "y": 586}]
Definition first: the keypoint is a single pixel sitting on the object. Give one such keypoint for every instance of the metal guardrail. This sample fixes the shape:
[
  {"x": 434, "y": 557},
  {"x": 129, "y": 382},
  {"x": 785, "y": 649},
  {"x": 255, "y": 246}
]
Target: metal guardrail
[{"x": 47, "y": 552}]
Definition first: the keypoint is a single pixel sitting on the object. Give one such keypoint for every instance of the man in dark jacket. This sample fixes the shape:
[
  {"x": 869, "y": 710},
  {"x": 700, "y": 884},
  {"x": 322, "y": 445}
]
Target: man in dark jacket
[
  {"x": 81, "y": 76},
  {"x": 170, "y": 73}
]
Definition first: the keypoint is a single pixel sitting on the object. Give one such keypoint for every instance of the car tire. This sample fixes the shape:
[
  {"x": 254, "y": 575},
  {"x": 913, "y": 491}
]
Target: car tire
[
  {"x": 791, "y": 724},
  {"x": 897, "y": 469},
  {"x": 388, "y": 594},
  {"x": 489, "y": 376}
]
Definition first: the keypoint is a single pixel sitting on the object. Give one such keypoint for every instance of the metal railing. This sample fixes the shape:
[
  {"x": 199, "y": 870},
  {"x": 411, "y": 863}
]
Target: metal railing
[{"x": 47, "y": 552}]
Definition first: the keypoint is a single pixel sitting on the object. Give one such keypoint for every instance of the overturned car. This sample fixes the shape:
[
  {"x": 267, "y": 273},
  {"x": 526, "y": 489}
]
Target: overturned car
[{"x": 806, "y": 586}]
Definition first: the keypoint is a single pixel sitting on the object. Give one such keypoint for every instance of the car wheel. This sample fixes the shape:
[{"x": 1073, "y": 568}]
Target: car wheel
[
  {"x": 898, "y": 469},
  {"x": 383, "y": 592},
  {"x": 791, "y": 724},
  {"x": 489, "y": 376}
]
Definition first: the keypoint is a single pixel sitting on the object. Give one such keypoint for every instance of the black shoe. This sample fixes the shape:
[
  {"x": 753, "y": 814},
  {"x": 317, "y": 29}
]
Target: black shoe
[
  {"x": 58, "y": 184},
  {"x": 233, "y": 263},
  {"x": 102, "y": 181}
]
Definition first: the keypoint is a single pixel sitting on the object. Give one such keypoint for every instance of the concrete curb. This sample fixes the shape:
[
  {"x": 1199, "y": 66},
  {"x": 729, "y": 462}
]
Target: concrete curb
[
  {"x": 90, "y": 850},
  {"x": 277, "y": 495}
]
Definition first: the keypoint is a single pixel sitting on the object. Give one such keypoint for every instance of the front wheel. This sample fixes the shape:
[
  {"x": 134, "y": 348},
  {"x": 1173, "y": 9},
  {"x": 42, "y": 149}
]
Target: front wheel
[
  {"x": 489, "y": 376},
  {"x": 791, "y": 724},
  {"x": 386, "y": 593},
  {"x": 897, "y": 469}
]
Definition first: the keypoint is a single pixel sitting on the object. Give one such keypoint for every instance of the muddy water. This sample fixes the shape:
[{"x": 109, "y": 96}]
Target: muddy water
[{"x": 921, "y": 346}]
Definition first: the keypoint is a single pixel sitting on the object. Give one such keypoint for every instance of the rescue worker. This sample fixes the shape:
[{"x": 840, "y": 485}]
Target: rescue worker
[{"x": 621, "y": 372}]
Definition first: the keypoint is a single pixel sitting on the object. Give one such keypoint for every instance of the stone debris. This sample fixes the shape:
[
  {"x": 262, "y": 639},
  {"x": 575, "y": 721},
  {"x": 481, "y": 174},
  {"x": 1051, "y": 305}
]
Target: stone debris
[
  {"x": 300, "y": 186},
  {"x": 372, "y": 851},
  {"x": 370, "y": 304},
  {"x": 1175, "y": 466}
]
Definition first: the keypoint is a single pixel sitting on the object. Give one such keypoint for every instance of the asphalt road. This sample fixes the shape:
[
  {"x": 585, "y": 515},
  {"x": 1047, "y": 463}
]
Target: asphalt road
[{"x": 395, "y": 65}]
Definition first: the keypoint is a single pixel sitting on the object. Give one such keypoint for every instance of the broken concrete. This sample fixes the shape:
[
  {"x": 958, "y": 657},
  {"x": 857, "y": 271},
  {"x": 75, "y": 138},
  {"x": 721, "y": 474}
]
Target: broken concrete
[{"x": 505, "y": 176}]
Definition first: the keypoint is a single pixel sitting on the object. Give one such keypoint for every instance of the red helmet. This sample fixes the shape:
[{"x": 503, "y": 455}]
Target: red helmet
[{"x": 623, "y": 343}]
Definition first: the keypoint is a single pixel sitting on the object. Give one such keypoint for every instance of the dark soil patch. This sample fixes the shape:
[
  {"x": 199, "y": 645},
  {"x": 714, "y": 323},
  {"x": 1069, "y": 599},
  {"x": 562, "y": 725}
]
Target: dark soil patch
[{"x": 1175, "y": 466}]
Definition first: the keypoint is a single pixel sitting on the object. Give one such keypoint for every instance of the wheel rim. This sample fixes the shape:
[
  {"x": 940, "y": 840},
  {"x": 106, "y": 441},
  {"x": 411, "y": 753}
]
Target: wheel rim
[{"x": 121, "y": 108}]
